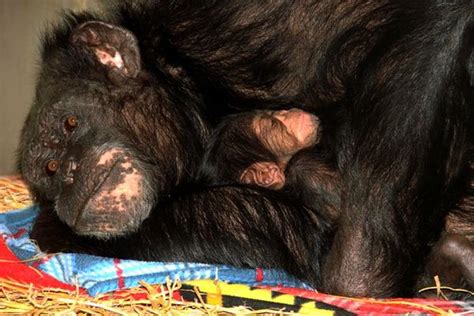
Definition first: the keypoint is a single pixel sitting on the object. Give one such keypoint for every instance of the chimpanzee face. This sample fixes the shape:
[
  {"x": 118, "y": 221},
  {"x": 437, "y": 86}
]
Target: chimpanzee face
[
  {"x": 76, "y": 156},
  {"x": 286, "y": 132},
  {"x": 283, "y": 133},
  {"x": 78, "y": 148}
]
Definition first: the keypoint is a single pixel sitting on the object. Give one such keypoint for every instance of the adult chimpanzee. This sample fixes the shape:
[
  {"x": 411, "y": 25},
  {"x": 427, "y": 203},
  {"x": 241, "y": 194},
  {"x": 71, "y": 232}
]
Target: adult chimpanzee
[
  {"x": 282, "y": 150},
  {"x": 393, "y": 77},
  {"x": 109, "y": 149}
]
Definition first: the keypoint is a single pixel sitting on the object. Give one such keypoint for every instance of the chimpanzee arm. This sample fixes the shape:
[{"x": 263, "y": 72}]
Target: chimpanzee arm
[
  {"x": 225, "y": 225},
  {"x": 401, "y": 149},
  {"x": 311, "y": 176}
]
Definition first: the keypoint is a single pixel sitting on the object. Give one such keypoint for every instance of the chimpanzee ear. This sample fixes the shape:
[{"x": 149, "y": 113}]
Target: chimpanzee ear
[
  {"x": 114, "y": 47},
  {"x": 264, "y": 174}
]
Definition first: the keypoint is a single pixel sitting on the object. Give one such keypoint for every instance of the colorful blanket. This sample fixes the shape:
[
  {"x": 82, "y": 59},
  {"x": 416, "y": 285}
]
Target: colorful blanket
[
  {"x": 20, "y": 260},
  {"x": 100, "y": 275}
]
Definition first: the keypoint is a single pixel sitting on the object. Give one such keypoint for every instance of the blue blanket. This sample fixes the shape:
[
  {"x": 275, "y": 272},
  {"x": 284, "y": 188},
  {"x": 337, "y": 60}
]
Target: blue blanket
[{"x": 99, "y": 275}]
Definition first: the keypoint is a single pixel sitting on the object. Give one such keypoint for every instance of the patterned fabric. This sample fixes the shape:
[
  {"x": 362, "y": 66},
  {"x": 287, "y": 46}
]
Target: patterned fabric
[
  {"x": 310, "y": 302},
  {"x": 100, "y": 275},
  {"x": 218, "y": 284}
]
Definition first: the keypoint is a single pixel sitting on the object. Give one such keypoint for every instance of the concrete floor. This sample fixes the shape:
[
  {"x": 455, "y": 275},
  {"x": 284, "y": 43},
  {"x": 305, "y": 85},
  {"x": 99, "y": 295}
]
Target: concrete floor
[{"x": 21, "y": 23}]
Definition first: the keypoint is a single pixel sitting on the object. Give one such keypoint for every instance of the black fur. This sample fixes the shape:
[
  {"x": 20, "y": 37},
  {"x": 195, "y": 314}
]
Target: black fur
[
  {"x": 231, "y": 225},
  {"x": 312, "y": 178},
  {"x": 393, "y": 76}
]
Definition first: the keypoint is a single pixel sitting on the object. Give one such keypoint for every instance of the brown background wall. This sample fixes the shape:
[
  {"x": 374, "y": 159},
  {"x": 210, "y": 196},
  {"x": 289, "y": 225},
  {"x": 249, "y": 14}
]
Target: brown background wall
[{"x": 21, "y": 23}]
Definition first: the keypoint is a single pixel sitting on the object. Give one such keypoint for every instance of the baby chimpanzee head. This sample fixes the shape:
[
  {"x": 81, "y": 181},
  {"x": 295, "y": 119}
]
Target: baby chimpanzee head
[{"x": 255, "y": 147}]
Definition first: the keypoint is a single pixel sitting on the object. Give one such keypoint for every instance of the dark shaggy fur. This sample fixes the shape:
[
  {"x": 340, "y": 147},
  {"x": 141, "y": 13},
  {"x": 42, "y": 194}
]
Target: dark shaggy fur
[
  {"x": 312, "y": 178},
  {"x": 393, "y": 76}
]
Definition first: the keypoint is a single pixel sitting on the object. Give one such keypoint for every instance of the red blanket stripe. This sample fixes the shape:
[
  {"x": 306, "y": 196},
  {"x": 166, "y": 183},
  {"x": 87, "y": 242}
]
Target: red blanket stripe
[{"x": 13, "y": 269}]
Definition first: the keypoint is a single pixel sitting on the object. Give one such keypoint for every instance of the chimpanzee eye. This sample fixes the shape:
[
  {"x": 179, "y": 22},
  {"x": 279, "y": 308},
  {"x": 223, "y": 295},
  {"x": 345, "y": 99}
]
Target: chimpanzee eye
[
  {"x": 51, "y": 167},
  {"x": 71, "y": 122},
  {"x": 276, "y": 124}
]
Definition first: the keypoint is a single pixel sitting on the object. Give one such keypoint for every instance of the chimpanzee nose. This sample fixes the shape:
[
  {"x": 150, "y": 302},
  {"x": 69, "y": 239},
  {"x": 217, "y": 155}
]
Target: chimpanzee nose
[{"x": 70, "y": 167}]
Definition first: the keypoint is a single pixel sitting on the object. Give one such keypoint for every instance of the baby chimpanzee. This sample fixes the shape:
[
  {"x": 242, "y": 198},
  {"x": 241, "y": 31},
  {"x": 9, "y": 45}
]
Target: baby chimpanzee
[
  {"x": 258, "y": 146},
  {"x": 275, "y": 150},
  {"x": 285, "y": 150}
]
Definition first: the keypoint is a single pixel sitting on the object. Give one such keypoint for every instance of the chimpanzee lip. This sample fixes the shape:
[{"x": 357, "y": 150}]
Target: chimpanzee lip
[
  {"x": 98, "y": 233},
  {"x": 93, "y": 192}
]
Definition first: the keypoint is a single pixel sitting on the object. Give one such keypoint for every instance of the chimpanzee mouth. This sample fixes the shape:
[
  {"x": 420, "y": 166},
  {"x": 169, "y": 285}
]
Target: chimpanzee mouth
[
  {"x": 117, "y": 201},
  {"x": 102, "y": 179}
]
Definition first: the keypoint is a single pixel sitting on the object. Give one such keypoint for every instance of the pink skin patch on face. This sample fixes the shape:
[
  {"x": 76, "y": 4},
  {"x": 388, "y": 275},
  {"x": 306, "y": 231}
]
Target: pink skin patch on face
[
  {"x": 114, "y": 204},
  {"x": 109, "y": 156},
  {"x": 124, "y": 182},
  {"x": 117, "y": 194}
]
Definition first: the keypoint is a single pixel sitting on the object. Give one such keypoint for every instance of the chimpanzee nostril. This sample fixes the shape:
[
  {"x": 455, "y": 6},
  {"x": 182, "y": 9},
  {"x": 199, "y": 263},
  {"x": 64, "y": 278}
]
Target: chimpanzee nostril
[{"x": 71, "y": 167}]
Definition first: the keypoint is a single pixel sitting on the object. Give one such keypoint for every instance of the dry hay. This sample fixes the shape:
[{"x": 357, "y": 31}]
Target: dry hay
[
  {"x": 18, "y": 298},
  {"x": 439, "y": 288},
  {"x": 13, "y": 194}
]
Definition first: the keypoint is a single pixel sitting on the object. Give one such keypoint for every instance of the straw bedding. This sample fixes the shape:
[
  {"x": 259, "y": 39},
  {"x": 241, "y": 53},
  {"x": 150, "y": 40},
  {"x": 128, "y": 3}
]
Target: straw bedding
[
  {"x": 26, "y": 288},
  {"x": 13, "y": 194}
]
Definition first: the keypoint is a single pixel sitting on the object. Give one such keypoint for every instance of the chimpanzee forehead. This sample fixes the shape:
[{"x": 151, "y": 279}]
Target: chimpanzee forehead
[
  {"x": 45, "y": 131},
  {"x": 48, "y": 116},
  {"x": 69, "y": 103}
]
